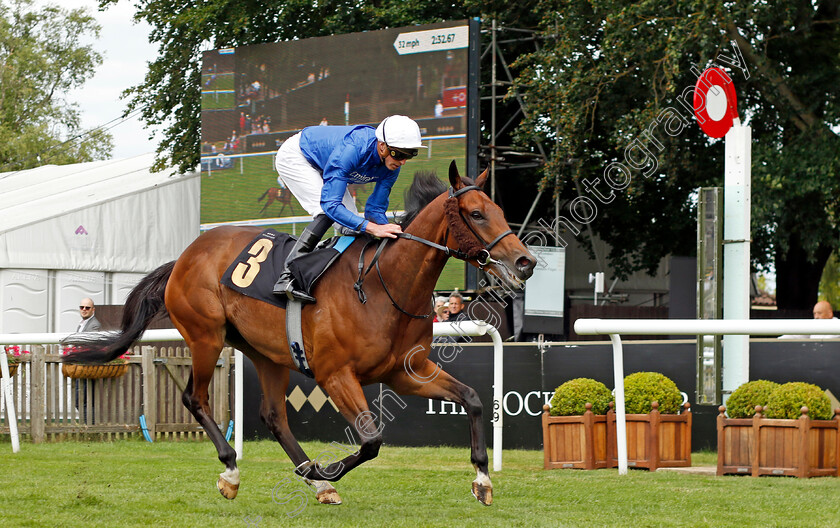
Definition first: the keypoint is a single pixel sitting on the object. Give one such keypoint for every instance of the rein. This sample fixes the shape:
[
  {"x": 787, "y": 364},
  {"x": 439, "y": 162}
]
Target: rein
[
  {"x": 375, "y": 262},
  {"x": 476, "y": 248}
]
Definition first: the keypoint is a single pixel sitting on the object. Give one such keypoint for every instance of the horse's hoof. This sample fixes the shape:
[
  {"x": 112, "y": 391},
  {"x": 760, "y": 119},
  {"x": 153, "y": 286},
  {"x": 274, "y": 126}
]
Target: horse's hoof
[
  {"x": 484, "y": 493},
  {"x": 227, "y": 489},
  {"x": 329, "y": 496},
  {"x": 324, "y": 492}
]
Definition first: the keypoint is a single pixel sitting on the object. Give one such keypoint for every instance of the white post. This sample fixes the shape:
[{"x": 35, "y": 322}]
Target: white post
[
  {"x": 11, "y": 417},
  {"x": 498, "y": 395},
  {"x": 736, "y": 253},
  {"x": 477, "y": 328},
  {"x": 620, "y": 414},
  {"x": 238, "y": 365}
]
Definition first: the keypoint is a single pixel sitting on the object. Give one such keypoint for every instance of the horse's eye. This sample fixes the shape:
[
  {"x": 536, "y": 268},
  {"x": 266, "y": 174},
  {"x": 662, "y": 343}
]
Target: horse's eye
[{"x": 476, "y": 215}]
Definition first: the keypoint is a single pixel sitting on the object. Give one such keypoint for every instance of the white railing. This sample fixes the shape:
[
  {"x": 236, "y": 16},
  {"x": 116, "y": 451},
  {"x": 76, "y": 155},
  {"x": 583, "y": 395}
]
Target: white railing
[
  {"x": 462, "y": 328},
  {"x": 614, "y": 327}
]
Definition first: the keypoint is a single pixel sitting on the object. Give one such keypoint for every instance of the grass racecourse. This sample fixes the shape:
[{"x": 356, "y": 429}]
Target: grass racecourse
[{"x": 134, "y": 483}]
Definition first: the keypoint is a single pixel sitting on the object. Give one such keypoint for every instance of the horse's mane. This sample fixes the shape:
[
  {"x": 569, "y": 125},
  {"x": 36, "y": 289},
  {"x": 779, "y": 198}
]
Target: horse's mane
[{"x": 425, "y": 188}]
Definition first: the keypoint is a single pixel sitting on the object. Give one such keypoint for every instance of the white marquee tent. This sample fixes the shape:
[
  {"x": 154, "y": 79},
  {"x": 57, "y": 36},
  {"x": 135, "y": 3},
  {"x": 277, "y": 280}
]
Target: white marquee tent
[{"x": 86, "y": 230}]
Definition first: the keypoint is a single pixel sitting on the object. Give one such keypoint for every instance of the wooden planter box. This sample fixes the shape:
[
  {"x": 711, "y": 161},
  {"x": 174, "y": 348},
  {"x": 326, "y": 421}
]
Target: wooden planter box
[
  {"x": 574, "y": 441},
  {"x": 762, "y": 446},
  {"x": 13, "y": 369},
  {"x": 94, "y": 371},
  {"x": 654, "y": 440}
]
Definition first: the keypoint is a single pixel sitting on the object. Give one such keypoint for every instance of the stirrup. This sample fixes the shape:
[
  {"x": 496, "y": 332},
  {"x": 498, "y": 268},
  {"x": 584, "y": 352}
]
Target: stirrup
[
  {"x": 298, "y": 295},
  {"x": 287, "y": 287}
]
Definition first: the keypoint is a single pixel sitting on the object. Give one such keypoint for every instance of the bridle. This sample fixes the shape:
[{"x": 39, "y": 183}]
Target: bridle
[
  {"x": 477, "y": 248},
  {"x": 460, "y": 221}
]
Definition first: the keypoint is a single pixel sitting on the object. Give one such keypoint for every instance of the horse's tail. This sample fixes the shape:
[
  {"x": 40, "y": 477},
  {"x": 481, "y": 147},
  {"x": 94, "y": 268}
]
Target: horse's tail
[
  {"x": 144, "y": 303},
  {"x": 263, "y": 195}
]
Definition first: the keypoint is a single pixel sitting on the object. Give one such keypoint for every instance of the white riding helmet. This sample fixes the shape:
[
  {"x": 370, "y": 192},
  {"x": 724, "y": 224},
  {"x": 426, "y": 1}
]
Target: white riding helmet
[{"x": 400, "y": 132}]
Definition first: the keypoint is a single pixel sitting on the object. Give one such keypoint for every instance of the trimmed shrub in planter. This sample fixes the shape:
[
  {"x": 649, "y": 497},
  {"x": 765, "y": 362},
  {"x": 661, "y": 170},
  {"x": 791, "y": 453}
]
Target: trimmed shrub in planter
[
  {"x": 656, "y": 435},
  {"x": 761, "y": 445},
  {"x": 787, "y": 401},
  {"x": 574, "y": 426},
  {"x": 743, "y": 400},
  {"x": 641, "y": 389},
  {"x": 570, "y": 398}
]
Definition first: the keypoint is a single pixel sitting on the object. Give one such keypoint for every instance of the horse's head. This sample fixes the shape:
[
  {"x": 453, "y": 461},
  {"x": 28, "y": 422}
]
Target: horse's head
[{"x": 479, "y": 229}]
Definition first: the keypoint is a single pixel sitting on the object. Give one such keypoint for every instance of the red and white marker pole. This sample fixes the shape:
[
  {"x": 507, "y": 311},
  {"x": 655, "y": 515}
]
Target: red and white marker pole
[{"x": 716, "y": 110}]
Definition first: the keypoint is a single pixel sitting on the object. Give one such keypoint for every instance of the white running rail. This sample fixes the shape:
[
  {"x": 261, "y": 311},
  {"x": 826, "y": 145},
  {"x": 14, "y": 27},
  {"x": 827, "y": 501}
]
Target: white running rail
[
  {"x": 615, "y": 327},
  {"x": 461, "y": 328}
]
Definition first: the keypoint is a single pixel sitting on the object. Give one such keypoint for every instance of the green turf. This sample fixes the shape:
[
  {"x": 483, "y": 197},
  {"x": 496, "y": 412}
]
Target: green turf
[
  {"x": 217, "y": 101},
  {"x": 219, "y": 81},
  {"x": 233, "y": 194},
  {"x": 133, "y": 483}
]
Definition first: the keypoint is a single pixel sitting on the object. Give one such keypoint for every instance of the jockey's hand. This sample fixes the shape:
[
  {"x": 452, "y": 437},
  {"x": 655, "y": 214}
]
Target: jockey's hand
[{"x": 383, "y": 230}]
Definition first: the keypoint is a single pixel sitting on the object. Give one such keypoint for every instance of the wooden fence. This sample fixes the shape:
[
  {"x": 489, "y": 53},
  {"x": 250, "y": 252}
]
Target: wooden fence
[{"x": 50, "y": 406}]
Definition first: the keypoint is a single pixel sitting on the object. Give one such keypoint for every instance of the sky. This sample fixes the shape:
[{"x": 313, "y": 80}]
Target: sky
[{"x": 125, "y": 49}]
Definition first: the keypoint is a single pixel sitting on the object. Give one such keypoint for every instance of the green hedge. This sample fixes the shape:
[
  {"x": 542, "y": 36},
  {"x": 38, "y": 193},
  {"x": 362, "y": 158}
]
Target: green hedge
[
  {"x": 570, "y": 398},
  {"x": 641, "y": 389},
  {"x": 787, "y": 400},
  {"x": 743, "y": 400}
]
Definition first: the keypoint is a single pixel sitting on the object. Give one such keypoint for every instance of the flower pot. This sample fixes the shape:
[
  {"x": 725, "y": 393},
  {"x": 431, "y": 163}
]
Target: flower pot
[
  {"x": 654, "y": 440},
  {"x": 13, "y": 367},
  {"x": 578, "y": 442},
  {"x": 763, "y": 446},
  {"x": 94, "y": 371}
]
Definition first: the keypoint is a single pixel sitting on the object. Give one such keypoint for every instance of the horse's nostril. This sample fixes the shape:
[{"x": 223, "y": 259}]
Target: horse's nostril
[{"x": 524, "y": 263}]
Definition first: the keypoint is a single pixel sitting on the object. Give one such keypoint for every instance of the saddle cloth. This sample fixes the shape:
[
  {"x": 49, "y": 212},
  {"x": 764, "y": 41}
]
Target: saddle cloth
[{"x": 256, "y": 269}]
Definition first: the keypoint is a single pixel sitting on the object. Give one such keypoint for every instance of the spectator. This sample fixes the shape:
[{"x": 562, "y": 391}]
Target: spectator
[
  {"x": 441, "y": 313},
  {"x": 456, "y": 307},
  {"x": 89, "y": 323},
  {"x": 439, "y": 301},
  {"x": 821, "y": 310}
]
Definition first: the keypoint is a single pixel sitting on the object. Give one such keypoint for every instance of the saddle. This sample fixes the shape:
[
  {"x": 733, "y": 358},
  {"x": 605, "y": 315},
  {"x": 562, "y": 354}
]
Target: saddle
[{"x": 256, "y": 269}]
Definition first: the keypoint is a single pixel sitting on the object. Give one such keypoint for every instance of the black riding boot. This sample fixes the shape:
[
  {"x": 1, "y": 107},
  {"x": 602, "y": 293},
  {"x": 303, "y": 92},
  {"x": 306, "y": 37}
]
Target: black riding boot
[{"x": 306, "y": 243}]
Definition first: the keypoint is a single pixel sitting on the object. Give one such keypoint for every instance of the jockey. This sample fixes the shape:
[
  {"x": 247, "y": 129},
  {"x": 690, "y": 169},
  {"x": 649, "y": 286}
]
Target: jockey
[{"x": 318, "y": 163}]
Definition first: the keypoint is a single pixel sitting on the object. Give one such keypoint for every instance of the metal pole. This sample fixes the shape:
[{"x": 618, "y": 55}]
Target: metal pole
[
  {"x": 11, "y": 417},
  {"x": 493, "y": 113},
  {"x": 736, "y": 254},
  {"x": 239, "y": 364},
  {"x": 620, "y": 411}
]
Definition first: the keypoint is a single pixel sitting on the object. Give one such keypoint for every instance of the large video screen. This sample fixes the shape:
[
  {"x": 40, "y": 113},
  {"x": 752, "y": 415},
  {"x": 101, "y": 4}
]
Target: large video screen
[{"x": 255, "y": 97}]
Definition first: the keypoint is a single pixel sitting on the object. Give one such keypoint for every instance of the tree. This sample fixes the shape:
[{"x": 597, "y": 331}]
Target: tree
[
  {"x": 606, "y": 88},
  {"x": 41, "y": 59}
]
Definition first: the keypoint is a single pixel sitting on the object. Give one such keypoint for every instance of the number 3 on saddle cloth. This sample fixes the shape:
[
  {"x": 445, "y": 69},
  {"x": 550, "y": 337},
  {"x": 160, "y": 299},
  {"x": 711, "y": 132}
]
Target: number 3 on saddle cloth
[{"x": 254, "y": 272}]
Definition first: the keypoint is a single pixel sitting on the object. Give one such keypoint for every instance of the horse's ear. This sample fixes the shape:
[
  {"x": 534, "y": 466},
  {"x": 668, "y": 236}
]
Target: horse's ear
[
  {"x": 454, "y": 177},
  {"x": 482, "y": 179}
]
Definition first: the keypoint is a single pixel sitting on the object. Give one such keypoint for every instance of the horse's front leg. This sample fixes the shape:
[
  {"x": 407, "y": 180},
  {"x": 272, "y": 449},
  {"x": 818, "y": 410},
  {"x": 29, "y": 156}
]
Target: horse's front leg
[
  {"x": 429, "y": 381},
  {"x": 346, "y": 392}
]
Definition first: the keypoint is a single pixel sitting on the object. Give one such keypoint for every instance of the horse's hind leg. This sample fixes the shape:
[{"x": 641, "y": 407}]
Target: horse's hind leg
[
  {"x": 196, "y": 399},
  {"x": 274, "y": 380},
  {"x": 431, "y": 382}
]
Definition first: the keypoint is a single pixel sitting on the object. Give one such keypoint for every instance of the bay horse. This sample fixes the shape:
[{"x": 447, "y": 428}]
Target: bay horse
[
  {"x": 347, "y": 344},
  {"x": 282, "y": 195}
]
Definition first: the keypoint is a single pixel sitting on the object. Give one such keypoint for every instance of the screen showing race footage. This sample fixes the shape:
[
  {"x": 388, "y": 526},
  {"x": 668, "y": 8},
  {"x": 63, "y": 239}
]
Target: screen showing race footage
[{"x": 255, "y": 97}]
